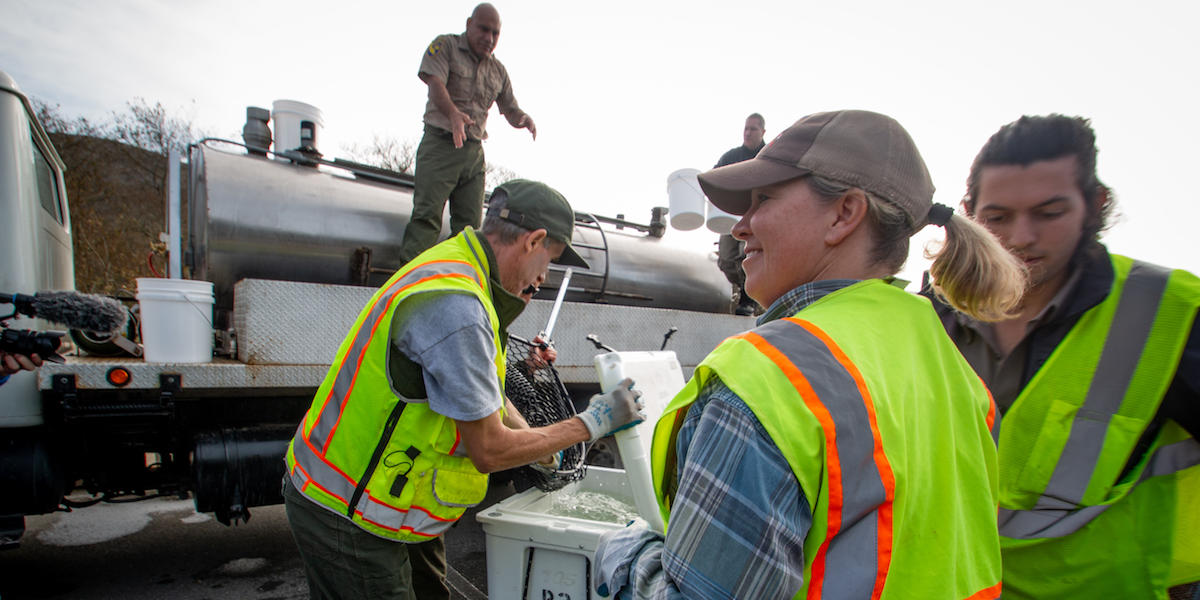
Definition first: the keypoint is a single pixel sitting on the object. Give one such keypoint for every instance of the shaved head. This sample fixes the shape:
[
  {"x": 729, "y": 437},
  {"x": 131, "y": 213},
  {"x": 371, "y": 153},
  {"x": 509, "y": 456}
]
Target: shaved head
[
  {"x": 483, "y": 29},
  {"x": 485, "y": 10}
]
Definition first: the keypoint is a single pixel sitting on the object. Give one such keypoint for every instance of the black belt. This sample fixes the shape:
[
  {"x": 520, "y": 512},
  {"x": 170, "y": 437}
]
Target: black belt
[{"x": 443, "y": 133}]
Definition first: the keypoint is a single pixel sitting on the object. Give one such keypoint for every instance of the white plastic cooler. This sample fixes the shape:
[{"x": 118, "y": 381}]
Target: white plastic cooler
[{"x": 532, "y": 554}]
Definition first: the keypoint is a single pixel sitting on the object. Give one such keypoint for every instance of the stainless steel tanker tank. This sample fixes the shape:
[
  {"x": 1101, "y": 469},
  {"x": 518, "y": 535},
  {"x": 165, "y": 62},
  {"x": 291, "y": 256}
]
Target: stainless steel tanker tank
[{"x": 254, "y": 217}]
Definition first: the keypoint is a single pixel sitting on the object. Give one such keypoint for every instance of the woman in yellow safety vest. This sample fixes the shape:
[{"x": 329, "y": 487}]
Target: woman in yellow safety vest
[{"x": 843, "y": 448}]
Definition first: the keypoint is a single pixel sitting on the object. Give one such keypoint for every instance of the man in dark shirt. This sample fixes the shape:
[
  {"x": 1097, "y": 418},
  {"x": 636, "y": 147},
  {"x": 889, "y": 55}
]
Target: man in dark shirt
[
  {"x": 729, "y": 249},
  {"x": 1102, "y": 350}
]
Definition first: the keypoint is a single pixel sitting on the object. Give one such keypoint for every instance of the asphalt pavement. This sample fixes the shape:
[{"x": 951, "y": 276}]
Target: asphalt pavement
[{"x": 162, "y": 548}]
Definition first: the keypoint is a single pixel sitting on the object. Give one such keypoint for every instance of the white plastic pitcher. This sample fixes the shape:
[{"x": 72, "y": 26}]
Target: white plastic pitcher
[
  {"x": 176, "y": 316},
  {"x": 658, "y": 376}
]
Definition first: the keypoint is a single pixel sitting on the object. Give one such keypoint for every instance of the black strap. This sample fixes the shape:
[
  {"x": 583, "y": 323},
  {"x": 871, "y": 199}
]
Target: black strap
[
  {"x": 402, "y": 479},
  {"x": 393, "y": 419}
]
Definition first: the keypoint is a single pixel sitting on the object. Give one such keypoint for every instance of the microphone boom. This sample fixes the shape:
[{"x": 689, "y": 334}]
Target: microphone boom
[{"x": 89, "y": 312}]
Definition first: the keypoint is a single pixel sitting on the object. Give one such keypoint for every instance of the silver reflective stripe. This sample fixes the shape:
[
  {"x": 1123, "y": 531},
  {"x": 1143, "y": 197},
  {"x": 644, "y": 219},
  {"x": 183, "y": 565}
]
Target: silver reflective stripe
[
  {"x": 1051, "y": 518},
  {"x": 320, "y": 472},
  {"x": 856, "y": 539},
  {"x": 1127, "y": 335},
  {"x": 388, "y": 517},
  {"x": 343, "y": 384},
  {"x": 414, "y": 519}
]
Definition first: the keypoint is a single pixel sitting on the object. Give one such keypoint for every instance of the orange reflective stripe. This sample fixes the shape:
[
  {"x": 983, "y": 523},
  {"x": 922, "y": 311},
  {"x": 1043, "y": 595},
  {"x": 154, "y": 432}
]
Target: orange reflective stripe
[
  {"x": 800, "y": 382},
  {"x": 991, "y": 416},
  {"x": 886, "y": 475},
  {"x": 990, "y": 593}
]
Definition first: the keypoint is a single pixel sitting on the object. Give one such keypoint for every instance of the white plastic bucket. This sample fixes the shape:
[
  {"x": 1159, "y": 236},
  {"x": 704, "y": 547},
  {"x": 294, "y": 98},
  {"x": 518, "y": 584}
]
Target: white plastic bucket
[
  {"x": 176, "y": 316},
  {"x": 687, "y": 201},
  {"x": 290, "y": 118},
  {"x": 719, "y": 221}
]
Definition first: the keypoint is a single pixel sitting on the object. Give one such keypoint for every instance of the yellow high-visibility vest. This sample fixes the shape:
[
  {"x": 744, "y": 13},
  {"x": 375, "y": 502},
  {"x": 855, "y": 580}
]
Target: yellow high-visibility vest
[
  {"x": 888, "y": 431},
  {"x": 1076, "y": 520},
  {"x": 390, "y": 464}
]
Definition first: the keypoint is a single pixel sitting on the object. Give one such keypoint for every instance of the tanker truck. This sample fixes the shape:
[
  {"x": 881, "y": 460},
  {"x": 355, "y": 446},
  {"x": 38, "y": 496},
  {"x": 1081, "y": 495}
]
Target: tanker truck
[{"x": 291, "y": 247}]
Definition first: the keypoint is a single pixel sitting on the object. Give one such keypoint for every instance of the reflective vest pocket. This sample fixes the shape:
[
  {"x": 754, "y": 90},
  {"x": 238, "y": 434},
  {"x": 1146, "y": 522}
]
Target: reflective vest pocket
[
  {"x": 1121, "y": 437},
  {"x": 443, "y": 488},
  {"x": 457, "y": 483},
  {"x": 1119, "y": 434}
]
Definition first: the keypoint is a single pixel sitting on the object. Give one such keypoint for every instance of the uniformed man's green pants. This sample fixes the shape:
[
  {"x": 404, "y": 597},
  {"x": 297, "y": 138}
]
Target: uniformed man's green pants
[
  {"x": 443, "y": 173},
  {"x": 342, "y": 560}
]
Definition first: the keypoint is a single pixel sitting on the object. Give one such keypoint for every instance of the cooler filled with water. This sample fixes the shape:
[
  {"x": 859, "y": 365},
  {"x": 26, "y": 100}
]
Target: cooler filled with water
[{"x": 540, "y": 544}]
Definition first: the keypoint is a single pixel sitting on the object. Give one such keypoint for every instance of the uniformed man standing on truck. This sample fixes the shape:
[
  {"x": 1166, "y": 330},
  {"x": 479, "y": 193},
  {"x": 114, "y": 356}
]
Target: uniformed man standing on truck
[{"x": 464, "y": 80}]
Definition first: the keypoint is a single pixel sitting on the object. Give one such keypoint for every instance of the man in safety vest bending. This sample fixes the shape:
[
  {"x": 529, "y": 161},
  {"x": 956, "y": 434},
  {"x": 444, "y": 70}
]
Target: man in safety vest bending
[
  {"x": 412, "y": 416},
  {"x": 1097, "y": 377}
]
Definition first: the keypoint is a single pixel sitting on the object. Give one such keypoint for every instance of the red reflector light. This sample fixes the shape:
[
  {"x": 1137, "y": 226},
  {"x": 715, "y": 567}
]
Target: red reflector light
[{"x": 119, "y": 376}]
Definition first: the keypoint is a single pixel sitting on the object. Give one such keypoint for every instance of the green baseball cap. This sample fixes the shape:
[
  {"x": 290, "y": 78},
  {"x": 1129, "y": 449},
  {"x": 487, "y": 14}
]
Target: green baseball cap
[{"x": 534, "y": 205}]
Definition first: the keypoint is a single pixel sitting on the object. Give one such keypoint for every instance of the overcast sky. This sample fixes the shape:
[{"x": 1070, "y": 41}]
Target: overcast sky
[{"x": 624, "y": 93}]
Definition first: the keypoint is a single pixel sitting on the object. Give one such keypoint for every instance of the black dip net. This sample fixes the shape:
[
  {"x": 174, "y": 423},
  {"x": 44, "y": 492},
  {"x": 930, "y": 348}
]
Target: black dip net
[{"x": 535, "y": 390}]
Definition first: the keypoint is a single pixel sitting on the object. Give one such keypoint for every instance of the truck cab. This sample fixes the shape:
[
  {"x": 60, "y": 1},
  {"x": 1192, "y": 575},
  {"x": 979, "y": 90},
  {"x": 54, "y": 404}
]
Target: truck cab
[
  {"x": 35, "y": 232},
  {"x": 36, "y": 255}
]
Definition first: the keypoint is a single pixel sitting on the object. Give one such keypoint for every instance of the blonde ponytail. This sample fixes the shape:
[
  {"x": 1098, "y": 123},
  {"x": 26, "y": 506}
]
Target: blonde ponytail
[{"x": 975, "y": 274}]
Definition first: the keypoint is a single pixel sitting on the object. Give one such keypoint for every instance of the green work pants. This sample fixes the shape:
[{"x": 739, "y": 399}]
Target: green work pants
[
  {"x": 343, "y": 561},
  {"x": 428, "y": 560},
  {"x": 443, "y": 173}
]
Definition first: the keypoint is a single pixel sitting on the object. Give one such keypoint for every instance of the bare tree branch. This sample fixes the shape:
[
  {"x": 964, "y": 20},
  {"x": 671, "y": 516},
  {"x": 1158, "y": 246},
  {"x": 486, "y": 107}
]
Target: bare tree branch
[{"x": 385, "y": 153}]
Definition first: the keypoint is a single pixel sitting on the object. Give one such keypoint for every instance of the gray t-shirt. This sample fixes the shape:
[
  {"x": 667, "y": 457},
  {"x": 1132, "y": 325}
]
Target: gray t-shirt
[{"x": 450, "y": 336}]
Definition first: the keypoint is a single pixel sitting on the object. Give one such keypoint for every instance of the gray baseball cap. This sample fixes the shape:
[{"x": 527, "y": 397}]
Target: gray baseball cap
[{"x": 863, "y": 149}]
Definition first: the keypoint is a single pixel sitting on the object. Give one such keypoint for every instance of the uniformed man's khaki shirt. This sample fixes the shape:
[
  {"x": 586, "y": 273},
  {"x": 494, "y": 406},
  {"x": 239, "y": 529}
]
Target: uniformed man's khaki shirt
[{"x": 473, "y": 84}]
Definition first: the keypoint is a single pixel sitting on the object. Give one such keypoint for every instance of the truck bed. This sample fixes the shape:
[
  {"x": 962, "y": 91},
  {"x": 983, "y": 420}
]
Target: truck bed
[{"x": 287, "y": 334}]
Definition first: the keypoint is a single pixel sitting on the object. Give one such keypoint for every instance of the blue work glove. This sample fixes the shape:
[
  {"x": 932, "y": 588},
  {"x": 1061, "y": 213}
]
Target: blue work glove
[
  {"x": 609, "y": 413},
  {"x": 628, "y": 562}
]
